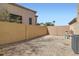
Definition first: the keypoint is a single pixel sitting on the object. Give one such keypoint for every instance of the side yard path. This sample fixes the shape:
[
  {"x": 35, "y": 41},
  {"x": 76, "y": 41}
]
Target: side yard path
[{"x": 44, "y": 46}]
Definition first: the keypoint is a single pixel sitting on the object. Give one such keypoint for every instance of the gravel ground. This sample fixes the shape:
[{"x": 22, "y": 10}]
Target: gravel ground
[{"x": 44, "y": 46}]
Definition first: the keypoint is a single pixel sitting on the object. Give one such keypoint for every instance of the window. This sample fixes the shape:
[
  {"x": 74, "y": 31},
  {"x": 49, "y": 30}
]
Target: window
[
  {"x": 30, "y": 20},
  {"x": 15, "y": 18}
]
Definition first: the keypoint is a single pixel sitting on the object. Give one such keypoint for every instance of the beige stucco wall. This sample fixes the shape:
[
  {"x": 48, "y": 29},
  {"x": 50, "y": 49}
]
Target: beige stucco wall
[
  {"x": 75, "y": 28},
  {"x": 78, "y": 12},
  {"x": 26, "y": 14},
  {"x": 13, "y": 32},
  {"x": 57, "y": 30},
  {"x": 35, "y": 31},
  {"x": 75, "y": 25}
]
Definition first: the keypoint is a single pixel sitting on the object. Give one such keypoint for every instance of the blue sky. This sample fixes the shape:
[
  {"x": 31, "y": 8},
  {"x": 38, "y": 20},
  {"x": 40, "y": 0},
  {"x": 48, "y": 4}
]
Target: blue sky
[{"x": 62, "y": 13}]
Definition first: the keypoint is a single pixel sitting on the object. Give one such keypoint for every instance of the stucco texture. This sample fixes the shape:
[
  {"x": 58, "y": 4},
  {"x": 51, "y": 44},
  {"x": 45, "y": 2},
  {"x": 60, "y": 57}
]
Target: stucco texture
[
  {"x": 26, "y": 14},
  {"x": 13, "y": 32},
  {"x": 75, "y": 28},
  {"x": 35, "y": 31},
  {"x": 57, "y": 30}
]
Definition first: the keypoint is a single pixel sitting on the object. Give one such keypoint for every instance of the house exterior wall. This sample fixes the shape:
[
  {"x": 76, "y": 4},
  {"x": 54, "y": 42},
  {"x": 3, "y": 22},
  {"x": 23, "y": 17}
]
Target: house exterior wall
[
  {"x": 75, "y": 28},
  {"x": 26, "y": 14},
  {"x": 78, "y": 12}
]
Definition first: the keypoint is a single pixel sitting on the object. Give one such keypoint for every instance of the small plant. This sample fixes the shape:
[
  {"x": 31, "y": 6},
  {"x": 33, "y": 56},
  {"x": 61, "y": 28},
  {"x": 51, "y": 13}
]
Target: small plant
[
  {"x": 47, "y": 24},
  {"x": 4, "y": 14}
]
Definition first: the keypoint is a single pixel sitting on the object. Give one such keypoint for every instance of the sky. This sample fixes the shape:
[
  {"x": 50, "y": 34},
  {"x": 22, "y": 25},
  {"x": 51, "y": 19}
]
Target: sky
[{"x": 61, "y": 13}]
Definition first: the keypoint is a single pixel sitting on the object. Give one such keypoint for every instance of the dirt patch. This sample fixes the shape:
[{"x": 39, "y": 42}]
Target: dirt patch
[{"x": 44, "y": 46}]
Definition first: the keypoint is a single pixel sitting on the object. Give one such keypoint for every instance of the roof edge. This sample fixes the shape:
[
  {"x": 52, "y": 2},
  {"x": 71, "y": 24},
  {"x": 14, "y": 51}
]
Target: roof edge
[
  {"x": 71, "y": 22},
  {"x": 22, "y": 7}
]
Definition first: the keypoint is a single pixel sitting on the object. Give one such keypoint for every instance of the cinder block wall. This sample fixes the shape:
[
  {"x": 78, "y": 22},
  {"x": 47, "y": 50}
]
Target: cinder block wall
[
  {"x": 57, "y": 30},
  {"x": 13, "y": 32},
  {"x": 33, "y": 31}
]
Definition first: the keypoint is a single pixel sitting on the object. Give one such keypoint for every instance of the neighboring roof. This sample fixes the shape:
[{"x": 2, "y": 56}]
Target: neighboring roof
[
  {"x": 22, "y": 7},
  {"x": 73, "y": 21}
]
